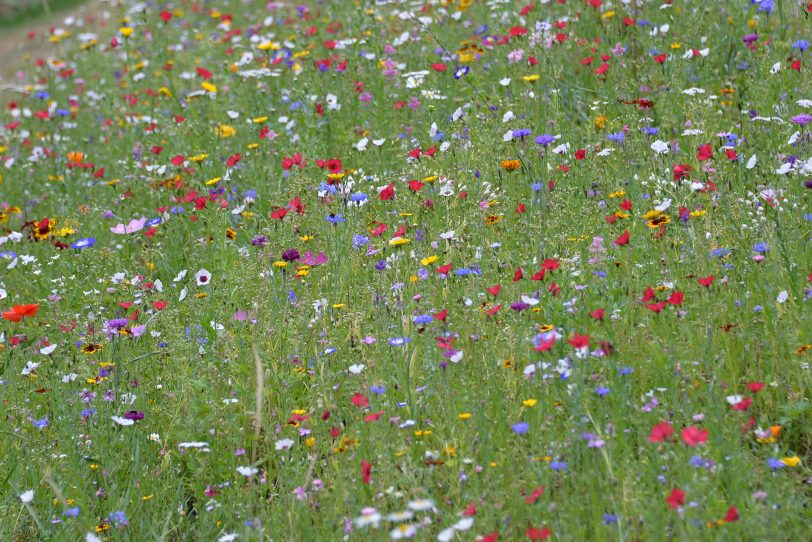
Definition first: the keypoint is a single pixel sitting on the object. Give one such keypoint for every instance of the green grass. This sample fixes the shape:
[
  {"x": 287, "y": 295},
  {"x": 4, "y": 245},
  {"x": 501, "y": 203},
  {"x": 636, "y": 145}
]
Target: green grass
[
  {"x": 259, "y": 395},
  {"x": 17, "y": 13}
]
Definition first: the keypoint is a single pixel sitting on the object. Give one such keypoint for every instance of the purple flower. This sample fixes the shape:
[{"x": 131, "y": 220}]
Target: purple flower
[
  {"x": 520, "y": 428},
  {"x": 134, "y": 415},
  {"x": 290, "y": 255},
  {"x": 750, "y": 38},
  {"x": 544, "y": 139},
  {"x": 802, "y": 119}
]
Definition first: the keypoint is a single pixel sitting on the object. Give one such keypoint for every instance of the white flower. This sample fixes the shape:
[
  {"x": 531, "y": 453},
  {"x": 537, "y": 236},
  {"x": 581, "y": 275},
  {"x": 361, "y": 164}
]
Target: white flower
[
  {"x": 464, "y": 524},
  {"x": 421, "y": 505},
  {"x": 751, "y": 163},
  {"x": 369, "y": 516},
  {"x": 283, "y": 444},
  {"x": 357, "y": 368},
  {"x": 90, "y": 537},
  {"x": 782, "y": 297},
  {"x": 202, "y": 277},
  {"x": 27, "y": 496},
  {"x": 403, "y": 531},
  {"x": 180, "y": 276},
  {"x": 122, "y": 421},
  {"x": 660, "y": 147},
  {"x": 733, "y": 399},
  {"x": 48, "y": 350},
  {"x": 3, "y": 294},
  {"x": 247, "y": 471},
  {"x": 228, "y": 538}
]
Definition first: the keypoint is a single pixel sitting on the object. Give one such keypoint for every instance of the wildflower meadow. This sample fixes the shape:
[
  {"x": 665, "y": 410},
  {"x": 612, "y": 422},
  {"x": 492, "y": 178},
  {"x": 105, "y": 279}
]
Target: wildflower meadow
[{"x": 467, "y": 270}]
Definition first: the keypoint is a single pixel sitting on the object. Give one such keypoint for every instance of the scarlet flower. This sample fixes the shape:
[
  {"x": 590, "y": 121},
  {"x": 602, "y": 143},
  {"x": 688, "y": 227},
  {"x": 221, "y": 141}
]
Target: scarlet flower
[
  {"x": 660, "y": 432},
  {"x": 387, "y": 193},
  {"x": 442, "y": 315},
  {"x": 623, "y": 239},
  {"x": 360, "y": 400},
  {"x": 518, "y": 275},
  {"x": 743, "y": 405},
  {"x": 681, "y": 170},
  {"x": 535, "y": 495},
  {"x": 676, "y": 498},
  {"x": 550, "y": 265},
  {"x": 444, "y": 269},
  {"x": 755, "y": 387},
  {"x": 544, "y": 346},
  {"x": 534, "y": 533},
  {"x": 366, "y": 471},
  {"x": 706, "y": 281},
  {"x": 732, "y": 514},
  {"x": 470, "y": 510},
  {"x": 580, "y": 154},
  {"x": 494, "y": 290},
  {"x": 17, "y": 312},
  {"x": 676, "y": 298},
  {"x": 597, "y": 314},
  {"x": 579, "y": 341},
  {"x": 693, "y": 436},
  {"x": 705, "y": 152}
]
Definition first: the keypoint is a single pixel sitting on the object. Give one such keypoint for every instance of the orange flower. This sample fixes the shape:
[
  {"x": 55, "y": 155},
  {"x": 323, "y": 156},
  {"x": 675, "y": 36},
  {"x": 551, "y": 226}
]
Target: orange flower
[
  {"x": 16, "y": 313},
  {"x": 510, "y": 165},
  {"x": 76, "y": 157}
]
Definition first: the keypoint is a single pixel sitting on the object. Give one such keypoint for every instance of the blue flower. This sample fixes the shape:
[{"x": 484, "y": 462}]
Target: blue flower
[
  {"x": 358, "y": 197},
  {"x": 544, "y": 139},
  {"x": 761, "y": 247},
  {"x": 460, "y": 72},
  {"x": 398, "y": 341},
  {"x": 602, "y": 390},
  {"x": 720, "y": 252},
  {"x": 520, "y": 428},
  {"x": 617, "y": 137},
  {"x": 801, "y": 45},
  {"x": 558, "y": 465},
  {"x": 335, "y": 219},
  {"x": 423, "y": 319},
  {"x": 86, "y": 242},
  {"x": 41, "y": 423},
  {"x": 378, "y": 390},
  {"x": 775, "y": 464},
  {"x": 359, "y": 240},
  {"x": 649, "y": 130},
  {"x": 609, "y": 519},
  {"x": 71, "y": 512}
]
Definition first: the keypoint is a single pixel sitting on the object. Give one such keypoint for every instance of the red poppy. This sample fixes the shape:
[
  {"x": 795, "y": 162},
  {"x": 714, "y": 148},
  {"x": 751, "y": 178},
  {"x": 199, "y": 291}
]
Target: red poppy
[
  {"x": 366, "y": 471},
  {"x": 470, "y": 510},
  {"x": 535, "y": 495},
  {"x": 597, "y": 314},
  {"x": 676, "y": 498},
  {"x": 676, "y": 298},
  {"x": 442, "y": 315},
  {"x": 518, "y": 275},
  {"x": 681, "y": 170},
  {"x": 360, "y": 400},
  {"x": 660, "y": 432},
  {"x": 755, "y": 387},
  {"x": 387, "y": 193},
  {"x": 444, "y": 269},
  {"x": 534, "y": 533},
  {"x": 705, "y": 152},
  {"x": 494, "y": 290},
  {"x": 623, "y": 239},
  {"x": 579, "y": 341},
  {"x": 655, "y": 307},
  {"x": 706, "y": 281},
  {"x": 544, "y": 346},
  {"x": 743, "y": 405},
  {"x": 693, "y": 436},
  {"x": 731, "y": 515}
]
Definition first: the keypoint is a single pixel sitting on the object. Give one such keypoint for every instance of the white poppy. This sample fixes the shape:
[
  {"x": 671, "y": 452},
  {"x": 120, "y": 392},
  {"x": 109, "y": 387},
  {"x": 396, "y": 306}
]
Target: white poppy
[{"x": 202, "y": 277}]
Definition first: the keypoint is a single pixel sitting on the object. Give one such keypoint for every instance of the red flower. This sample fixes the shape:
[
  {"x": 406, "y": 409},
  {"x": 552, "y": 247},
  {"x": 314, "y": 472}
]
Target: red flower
[
  {"x": 366, "y": 471},
  {"x": 660, "y": 59},
  {"x": 360, "y": 400},
  {"x": 597, "y": 314},
  {"x": 490, "y": 537},
  {"x": 676, "y": 498},
  {"x": 705, "y": 152},
  {"x": 544, "y": 346},
  {"x": 743, "y": 405},
  {"x": 626, "y": 204},
  {"x": 706, "y": 281},
  {"x": 442, "y": 315},
  {"x": 534, "y": 533},
  {"x": 159, "y": 305},
  {"x": 374, "y": 417},
  {"x": 444, "y": 269},
  {"x": 660, "y": 432},
  {"x": 494, "y": 290},
  {"x": 203, "y": 72},
  {"x": 538, "y": 275},
  {"x": 579, "y": 341},
  {"x": 415, "y": 185},
  {"x": 623, "y": 239},
  {"x": 676, "y": 298},
  {"x": 518, "y": 275},
  {"x": 550, "y": 265},
  {"x": 681, "y": 170},
  {"x": 387, "y": 193},
  {"x": 535, "y": 495},
  {"x": 470, "y": 511},
  {"x": 732, "y": 514},
  {"x": 17, "y": 312},
  {"x": 655, "y": 307},
  {"x": 755, "y": 387},
  {"x": 693, "y": 436},
  {"x": 580, "y": 154}
]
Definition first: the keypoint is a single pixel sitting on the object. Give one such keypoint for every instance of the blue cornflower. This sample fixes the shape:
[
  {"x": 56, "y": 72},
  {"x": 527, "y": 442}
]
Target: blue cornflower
[
  {"x": 775, "y": 464},
  {"x": 602, "y": 390},
  {"x": 617, "y": 137},
  {"x": 650, "y": 130},
  {"x": 71, "y": 512},
  {"x": 423, "y": 319},
  {"x": 86, "y": 242},
  {"x": 544, "y": 139},
  {"x": 761, "y": 247},
  {"x": 520, "y": 428},
  {"x": 801, "y": 45},
  {"x": 521, "y": 133},
  {"x": 398, "y": 341},
  {"x": 720, "y": 252},
  {"x": 359, "y": 240},
  {"x": 335, "y": 219},
  {"x": 41, "y": 423},
  {"x": 378, "y": 390},
  {"x": 358, "y": 197},
  {"x": 558, "y": 465},
  {"x": 609, "y": 519}
]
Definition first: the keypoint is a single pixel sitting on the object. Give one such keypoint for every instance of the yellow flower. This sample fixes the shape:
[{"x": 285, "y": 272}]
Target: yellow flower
[
  {"x": 510, "y": 165},
  {"x": 464, "y": 416},
  {"x": 600, "y": 122},
  {"x": 676, "y": 45},
  {"x": 215, "y": 180},
  {"x": 791, "y": 461},
  {"x": 198, "y": 158},
  {"x": 617, "y": 194},
  {"x": 280, "y": 263},
  {"x": 310, "y": 442},
  {"x": 225, "y": 130},
  {"x": 397, "y": 241},
  {"x": 126, "y": 31},
  {"x": 208, "y": 87},
  {"x": 429, "y": 260},
  {"x": 259, "y": 120},
  {"x": 338, "y": 305},
  {"x": 422, "y": 432},
  {"x": 608, "y": 15},
  {"x": 529, "y": 403}
]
